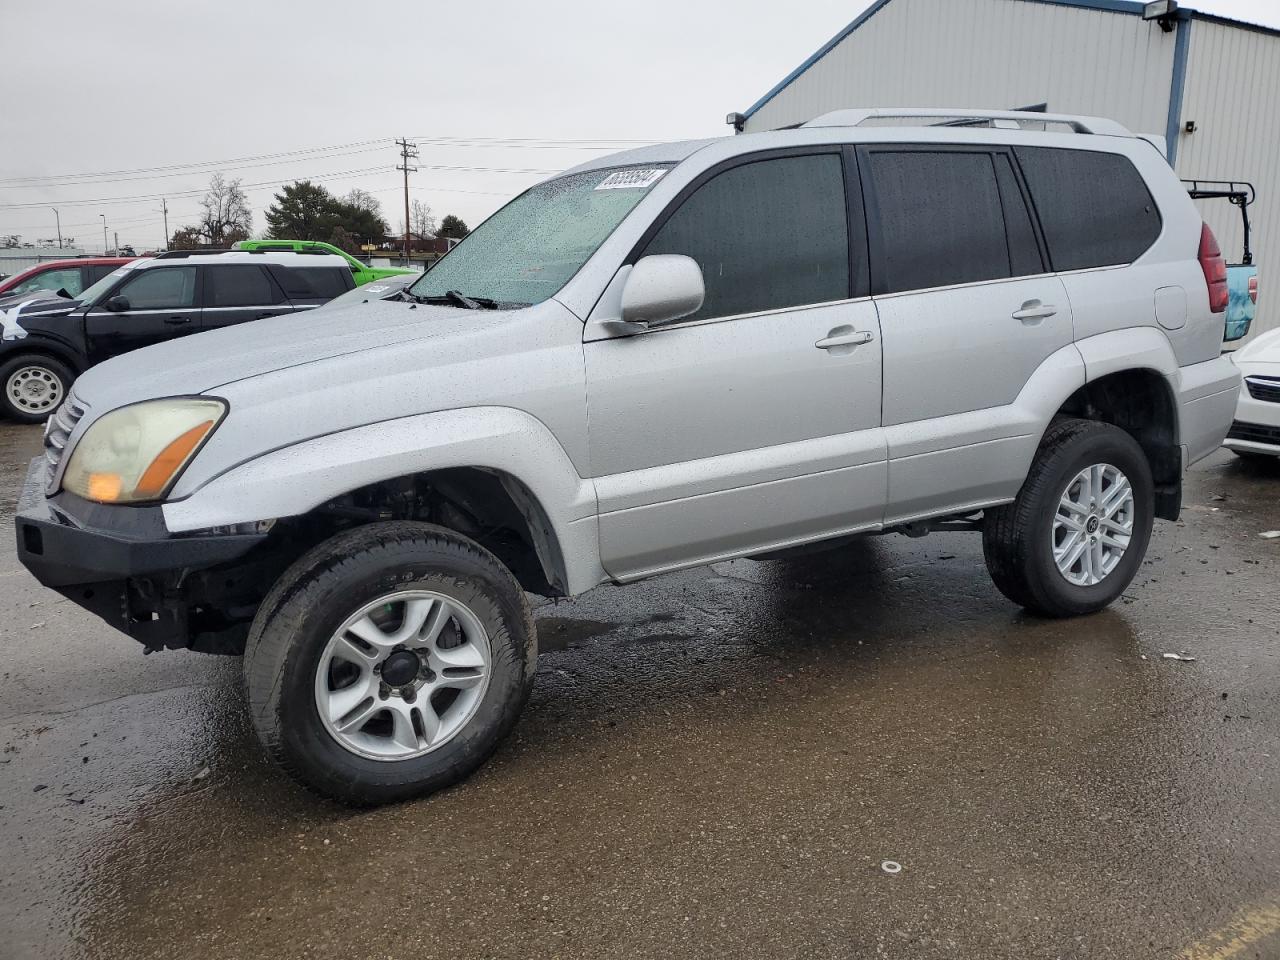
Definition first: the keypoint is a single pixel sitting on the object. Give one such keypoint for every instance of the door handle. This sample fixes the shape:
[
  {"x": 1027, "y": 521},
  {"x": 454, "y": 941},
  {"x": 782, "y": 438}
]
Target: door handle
[
  {"x": 1033, "y": 311},
  {"x": 853, "y": 338},
  {"x": 177, "y": 320}
]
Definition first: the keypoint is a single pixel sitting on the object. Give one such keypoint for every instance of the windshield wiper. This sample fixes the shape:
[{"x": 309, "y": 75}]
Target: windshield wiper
[{"x": 458, "y": 299}]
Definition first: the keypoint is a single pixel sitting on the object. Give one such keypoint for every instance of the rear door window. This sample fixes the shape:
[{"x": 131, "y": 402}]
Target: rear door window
[
  {"x": 941, "y": 219},
  {"x": 768, "y": 234},
  {"x": 240, "y": 286},
  {"x": 1095, "y": 208}
]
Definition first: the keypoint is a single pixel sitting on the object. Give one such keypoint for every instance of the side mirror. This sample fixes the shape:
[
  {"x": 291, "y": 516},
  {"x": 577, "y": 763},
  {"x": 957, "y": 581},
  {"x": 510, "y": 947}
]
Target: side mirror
[
  {"x": 117, "y": 304},
  {"x": 660, "y": 289}
]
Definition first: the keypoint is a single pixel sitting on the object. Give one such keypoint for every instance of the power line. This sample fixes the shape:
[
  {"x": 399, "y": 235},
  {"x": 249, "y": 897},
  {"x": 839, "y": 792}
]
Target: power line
[
  {"x": 477, "y": 142},
  {"x": 200, "y": 163},
  {"x": 188, "y": 193},
  {"x": 521, "y": 171},
  {"x": 185, "y": 173}
]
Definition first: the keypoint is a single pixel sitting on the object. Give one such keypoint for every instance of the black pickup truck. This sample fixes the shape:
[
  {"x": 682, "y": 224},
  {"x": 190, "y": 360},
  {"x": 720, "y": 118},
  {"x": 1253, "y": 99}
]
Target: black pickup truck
[{"x": 48, "y": 339}]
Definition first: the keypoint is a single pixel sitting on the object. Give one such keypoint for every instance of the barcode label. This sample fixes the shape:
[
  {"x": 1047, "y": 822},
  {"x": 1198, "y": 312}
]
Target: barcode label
[{"x": 632, "y": 179}]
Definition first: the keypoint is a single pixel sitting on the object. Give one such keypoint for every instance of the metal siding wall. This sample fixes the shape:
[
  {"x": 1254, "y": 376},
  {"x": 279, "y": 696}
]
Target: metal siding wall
[
  {"x": 1233, "y": 78},
  {"x": 989, "y": 53}
]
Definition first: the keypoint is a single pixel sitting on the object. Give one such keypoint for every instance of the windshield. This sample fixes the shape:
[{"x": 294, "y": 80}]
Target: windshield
[
  {"x": 93, "y": 293},
  {"x": 530, "y": 248}
]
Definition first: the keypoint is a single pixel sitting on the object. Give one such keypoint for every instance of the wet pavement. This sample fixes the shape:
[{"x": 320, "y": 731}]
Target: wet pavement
[{"x": 713, "y": 764}]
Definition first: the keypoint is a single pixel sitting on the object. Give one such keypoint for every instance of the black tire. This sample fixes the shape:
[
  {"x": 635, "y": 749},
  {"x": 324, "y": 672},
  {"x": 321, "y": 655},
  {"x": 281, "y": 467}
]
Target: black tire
[
  {"x": 13, "y": 407},
  {"x": 1017, "y": 538},
  {"x": 330, "y": 583}
]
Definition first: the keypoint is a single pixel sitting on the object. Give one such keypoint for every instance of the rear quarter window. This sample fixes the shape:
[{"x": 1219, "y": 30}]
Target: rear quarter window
[
  {"x": 1095, "y": 208},
  {"x": 313, "y": 283}
]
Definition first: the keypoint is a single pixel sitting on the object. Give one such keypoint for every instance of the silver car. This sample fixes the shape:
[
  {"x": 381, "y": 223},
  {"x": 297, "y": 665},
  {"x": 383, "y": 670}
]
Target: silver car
[{"x": 659, "y": 359}]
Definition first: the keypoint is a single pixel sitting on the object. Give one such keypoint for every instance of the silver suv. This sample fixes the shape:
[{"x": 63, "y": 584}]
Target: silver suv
[{"x": 877, "y": 322}]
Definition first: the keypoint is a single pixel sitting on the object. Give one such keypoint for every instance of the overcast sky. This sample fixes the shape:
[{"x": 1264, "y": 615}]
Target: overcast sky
[{"x": 127, "y": 87}]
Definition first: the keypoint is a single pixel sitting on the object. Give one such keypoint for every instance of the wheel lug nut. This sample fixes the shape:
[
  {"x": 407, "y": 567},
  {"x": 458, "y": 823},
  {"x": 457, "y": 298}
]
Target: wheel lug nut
[
  {"x": 383, "y": 691},
  {"x": 408, "y": 693}
]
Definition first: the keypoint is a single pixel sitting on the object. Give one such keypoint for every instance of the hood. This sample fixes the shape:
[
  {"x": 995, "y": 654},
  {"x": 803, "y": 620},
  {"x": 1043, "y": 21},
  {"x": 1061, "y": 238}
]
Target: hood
[
  {"x": 37, "y": 301},
  {"x": 1265, "y": 348},
  {"x": 204, "y": 361}
]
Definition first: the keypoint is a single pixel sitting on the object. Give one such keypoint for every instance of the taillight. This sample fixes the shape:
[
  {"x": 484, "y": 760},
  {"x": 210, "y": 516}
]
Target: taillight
[
  {"x": 1253, "y": 290},
  {"x": 1215, "y": 271}
]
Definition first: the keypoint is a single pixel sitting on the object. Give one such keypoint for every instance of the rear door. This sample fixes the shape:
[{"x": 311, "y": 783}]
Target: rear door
[
  {"x": 159, "y": 303},
  {"x": 240, "y": 292},
  {"x": 969, "y": 311}
]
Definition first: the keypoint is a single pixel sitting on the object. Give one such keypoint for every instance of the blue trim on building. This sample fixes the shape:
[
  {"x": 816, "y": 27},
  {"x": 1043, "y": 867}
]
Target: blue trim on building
[
  {"x": 1181, "y": 51},
  {"x": 1110, "y": 6},
  {"x": 826, "y": 48},
  {"x": 1185, "y": 16}
]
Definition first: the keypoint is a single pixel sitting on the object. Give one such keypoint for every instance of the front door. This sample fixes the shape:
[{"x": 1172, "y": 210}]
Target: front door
[
  {"x": 150, "y": 306},
  {"x": 239, "y": 292},
  {"x": 754, "y": 423}
]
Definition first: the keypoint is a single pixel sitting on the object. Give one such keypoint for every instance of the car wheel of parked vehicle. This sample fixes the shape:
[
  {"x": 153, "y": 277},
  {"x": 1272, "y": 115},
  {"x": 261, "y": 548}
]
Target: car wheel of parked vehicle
[
  {"x": 34, "y": 387},
  {"x": 389, "y": 662},
  {"x": 1075, "y": 536}
]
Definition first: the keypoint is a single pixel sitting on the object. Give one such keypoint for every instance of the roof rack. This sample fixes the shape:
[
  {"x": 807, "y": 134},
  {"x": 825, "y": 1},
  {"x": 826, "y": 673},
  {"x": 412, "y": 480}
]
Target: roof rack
[
  {"x": 183, "y": 254},
  {"x": 950, "y": 116}
]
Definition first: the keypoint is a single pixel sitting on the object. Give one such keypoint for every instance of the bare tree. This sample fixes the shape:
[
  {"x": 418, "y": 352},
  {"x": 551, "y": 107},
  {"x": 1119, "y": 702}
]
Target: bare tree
[
  {"x": 227, "y": 217},
  {"x": 363, "y": 200},
  {"x": 424, "y": 224}
]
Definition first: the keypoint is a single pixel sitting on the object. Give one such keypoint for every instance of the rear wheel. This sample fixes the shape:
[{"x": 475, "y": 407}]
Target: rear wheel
[
  {"x": 1077, "y": 533},
  {"x": 389, "y": 662},
  {"x": 34, "y": 386}
]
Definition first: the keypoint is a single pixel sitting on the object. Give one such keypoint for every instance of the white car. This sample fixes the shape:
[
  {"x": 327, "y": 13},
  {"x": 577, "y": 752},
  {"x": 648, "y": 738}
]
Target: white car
[{"x": 1256, "y": 430}]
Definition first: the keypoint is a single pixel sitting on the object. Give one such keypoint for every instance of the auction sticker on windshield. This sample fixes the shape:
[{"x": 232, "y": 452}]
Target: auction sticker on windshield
[{"x": 632, "y": 179}]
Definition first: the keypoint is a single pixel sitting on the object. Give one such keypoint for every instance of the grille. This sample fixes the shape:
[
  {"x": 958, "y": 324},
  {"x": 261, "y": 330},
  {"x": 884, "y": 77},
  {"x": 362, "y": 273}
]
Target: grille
[
  {"x": 1255, "y": 432},
  {"x": 56, "y": 433},
  {"x": 1263, "y": 388}
]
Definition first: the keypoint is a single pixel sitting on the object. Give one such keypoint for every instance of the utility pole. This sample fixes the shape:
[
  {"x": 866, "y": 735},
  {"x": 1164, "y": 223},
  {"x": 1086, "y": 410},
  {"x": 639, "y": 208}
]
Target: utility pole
[
  {"x": 104, "y": 233},
  {"x": 164, "y": 208},
  {"x": 58, "y": 220},
  {"x": 116, "y": 234},
  {"x": 408, "y": 151}
]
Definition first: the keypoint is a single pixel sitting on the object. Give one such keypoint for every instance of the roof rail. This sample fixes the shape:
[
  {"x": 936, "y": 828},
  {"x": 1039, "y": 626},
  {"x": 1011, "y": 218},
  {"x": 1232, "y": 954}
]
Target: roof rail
[
  {"x": 950, "y": 116},
  {"x": 210, "y": 251}
]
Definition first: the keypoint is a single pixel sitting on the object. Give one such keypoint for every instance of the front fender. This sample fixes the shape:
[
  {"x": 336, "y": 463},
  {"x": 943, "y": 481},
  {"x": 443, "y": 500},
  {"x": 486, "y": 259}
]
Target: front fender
[{"x": 296, "y": 479}]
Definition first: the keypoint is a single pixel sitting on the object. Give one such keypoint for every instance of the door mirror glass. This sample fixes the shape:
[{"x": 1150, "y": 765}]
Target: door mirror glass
[
  {"x": 1242, "y": 307},
  {"x": 118, "y": 304},
  {"x": 662, "y": 288}
]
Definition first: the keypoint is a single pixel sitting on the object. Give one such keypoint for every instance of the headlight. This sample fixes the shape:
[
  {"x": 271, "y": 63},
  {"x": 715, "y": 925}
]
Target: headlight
[{"x": 133, "y": 455}]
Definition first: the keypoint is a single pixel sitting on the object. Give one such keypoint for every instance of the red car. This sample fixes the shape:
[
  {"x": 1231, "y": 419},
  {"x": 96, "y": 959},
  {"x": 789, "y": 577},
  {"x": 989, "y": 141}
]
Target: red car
[{"x": 70, "y": 275}]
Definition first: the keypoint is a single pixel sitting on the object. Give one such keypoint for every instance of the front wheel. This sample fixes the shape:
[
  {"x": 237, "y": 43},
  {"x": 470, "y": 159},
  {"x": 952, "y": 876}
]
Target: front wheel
[
  {"x": 1074, "y": 538},
  {"x": 34, "y": 386},
  {"x": 389, "y": 662}
]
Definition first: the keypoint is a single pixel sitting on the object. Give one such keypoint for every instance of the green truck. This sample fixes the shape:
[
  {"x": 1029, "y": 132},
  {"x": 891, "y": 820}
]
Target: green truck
[{"x": 363, "y": 274}]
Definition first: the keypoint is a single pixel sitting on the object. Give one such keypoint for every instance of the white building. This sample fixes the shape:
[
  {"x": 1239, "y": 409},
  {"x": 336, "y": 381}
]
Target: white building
[{"x": 1209, "y": 85}]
